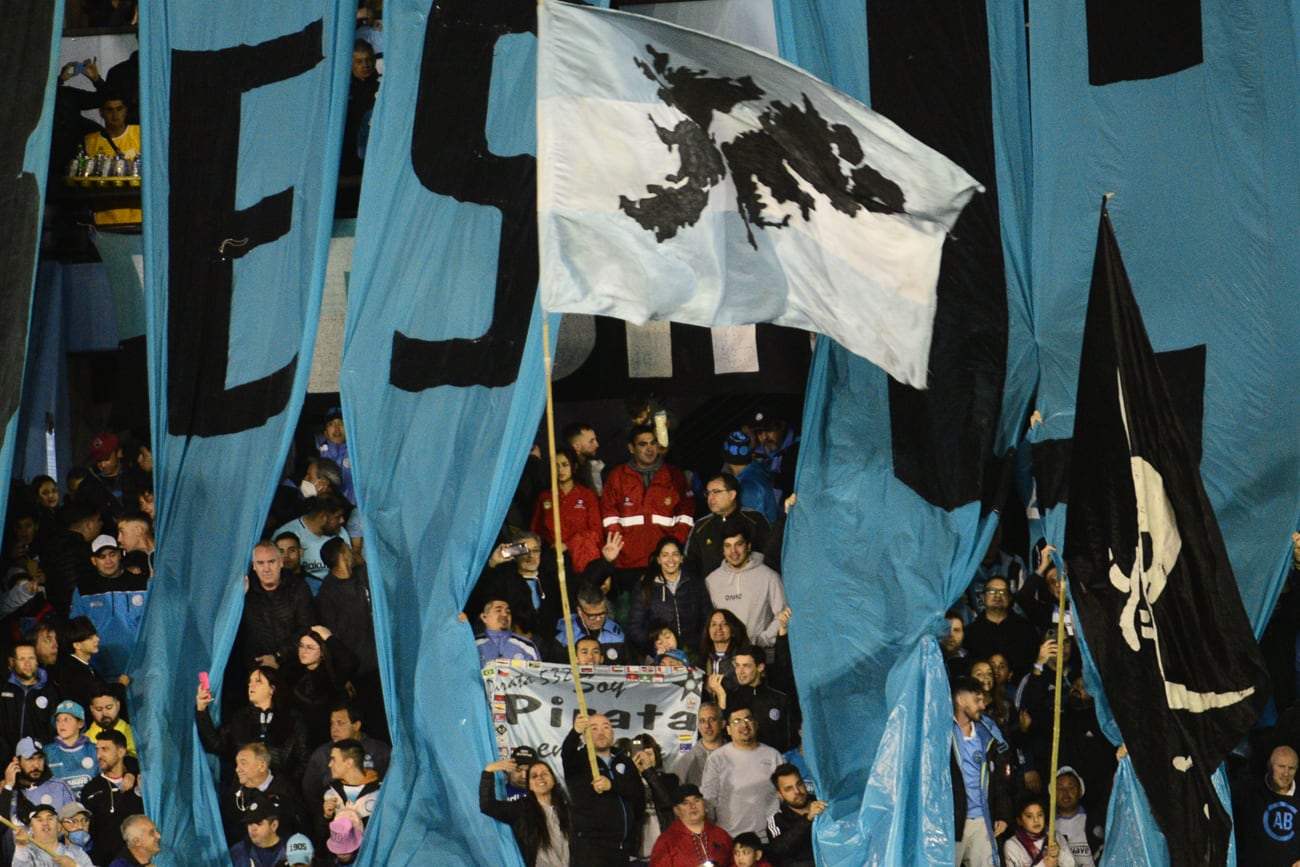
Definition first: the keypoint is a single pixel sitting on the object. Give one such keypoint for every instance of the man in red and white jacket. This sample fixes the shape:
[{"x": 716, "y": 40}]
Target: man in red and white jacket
[{"x": 646, "y": 499}]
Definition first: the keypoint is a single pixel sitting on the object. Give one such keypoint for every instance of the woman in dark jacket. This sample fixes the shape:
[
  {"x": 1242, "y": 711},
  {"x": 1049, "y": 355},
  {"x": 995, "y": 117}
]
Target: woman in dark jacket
[
  {"x": 317, "y": 676},
  {"x": 539, "y": 820},
  {"x": 267, "y": 719},
  {"x": 667, "y": 596}
]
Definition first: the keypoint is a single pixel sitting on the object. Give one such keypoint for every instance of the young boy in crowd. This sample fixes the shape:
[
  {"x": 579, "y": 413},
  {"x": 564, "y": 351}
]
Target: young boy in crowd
[
  {"x": 747, "y": 851},
  {"x": 71, "y": 757}
]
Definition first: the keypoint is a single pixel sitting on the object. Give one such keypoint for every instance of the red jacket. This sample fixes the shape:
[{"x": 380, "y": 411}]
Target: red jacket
[
  {"x": 645, "y": 515},
  {"x": 579, "y": 522},
  {"x": 678, "y": 847}
]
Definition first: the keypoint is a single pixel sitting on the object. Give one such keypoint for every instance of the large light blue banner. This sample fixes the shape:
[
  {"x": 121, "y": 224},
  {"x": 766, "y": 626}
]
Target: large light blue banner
[
  {"x": 442, "y": 388},
  {"x": 238, "y": 210},
  {"x": 890, "y": 524},
  {"x": 29, "y": 66},
  {"x": 1204, "y": 170}
]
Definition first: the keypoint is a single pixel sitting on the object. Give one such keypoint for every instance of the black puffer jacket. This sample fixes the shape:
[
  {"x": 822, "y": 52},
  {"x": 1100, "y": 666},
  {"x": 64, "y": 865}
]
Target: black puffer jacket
[{"x": 272, "y": 620}]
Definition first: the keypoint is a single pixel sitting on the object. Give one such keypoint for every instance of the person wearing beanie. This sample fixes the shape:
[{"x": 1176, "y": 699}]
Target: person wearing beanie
[{"x": 756, "y": 491}]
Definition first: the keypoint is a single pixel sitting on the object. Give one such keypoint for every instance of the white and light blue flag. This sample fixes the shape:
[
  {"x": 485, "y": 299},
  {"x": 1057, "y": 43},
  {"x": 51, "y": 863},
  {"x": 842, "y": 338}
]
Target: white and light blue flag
[{"x": 683, "y": 177}]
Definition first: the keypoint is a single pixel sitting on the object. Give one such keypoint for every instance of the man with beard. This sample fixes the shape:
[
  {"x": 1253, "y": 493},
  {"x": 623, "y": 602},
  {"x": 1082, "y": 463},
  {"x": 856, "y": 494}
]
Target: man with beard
[
  {"x": 581, "y": 437},
  {"x": 981, "y": 802},
  {"x": 29, "y": 778},
  {"x": 790, "y": 827},
  {"x": 110, "y": 797},
  {"x": 737, "y": 777},
  {"x": 28, "y": 697},
  {"x": 998, "y": 629}
]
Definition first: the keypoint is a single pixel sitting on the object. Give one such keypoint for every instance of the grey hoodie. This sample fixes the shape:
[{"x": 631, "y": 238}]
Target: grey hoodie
[{"x": 754, "y": 593}]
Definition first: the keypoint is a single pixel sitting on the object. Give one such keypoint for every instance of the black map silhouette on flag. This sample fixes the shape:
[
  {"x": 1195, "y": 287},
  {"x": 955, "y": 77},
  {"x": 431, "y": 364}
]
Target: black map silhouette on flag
[{"x": 793, "y": 144}]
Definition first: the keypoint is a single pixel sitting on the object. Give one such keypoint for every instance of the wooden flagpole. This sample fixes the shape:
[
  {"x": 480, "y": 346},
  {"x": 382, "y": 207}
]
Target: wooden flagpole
[
  {"x": 1056, "y": 707},
  {"x": 30, "y": 839},
  {"x": 559, "y": 554}
]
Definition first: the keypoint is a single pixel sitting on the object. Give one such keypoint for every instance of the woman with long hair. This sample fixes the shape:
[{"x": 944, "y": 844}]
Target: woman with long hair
[
  {"x": 266, "y": 719},
  {"x": 667, "y": 596},
  {"x": 579, "y": 513},
  {"x": 317, "y": 676},
  {"x": 539, "y": 820},
  {"x": 724, "y": 634}
]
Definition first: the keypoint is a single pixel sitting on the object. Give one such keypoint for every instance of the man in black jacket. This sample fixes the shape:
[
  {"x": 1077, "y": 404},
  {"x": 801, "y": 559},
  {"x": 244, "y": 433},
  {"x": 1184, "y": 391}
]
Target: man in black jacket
[
  {"x": 790, "y": 827},
  {"x": 274, "y": 611},
  {"x": 704, "y": 547},
  {"x": 110, "y": 797},
  {"x": 22, "y": 711},
  {"x": 1265, "y": 811},
  {"x": 608, "y": 808},
  {"x": 769, "y": 705}
]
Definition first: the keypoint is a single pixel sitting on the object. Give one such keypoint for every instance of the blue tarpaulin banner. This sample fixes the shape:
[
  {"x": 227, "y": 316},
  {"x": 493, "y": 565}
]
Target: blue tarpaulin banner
[
  {"x": 908, "y": 515},
  {"x": 1201, "y": 163},
  {"x": 238, "y": 210},
  {"x": 29, "y": 66},
  {"x": 442, "y": 387}
]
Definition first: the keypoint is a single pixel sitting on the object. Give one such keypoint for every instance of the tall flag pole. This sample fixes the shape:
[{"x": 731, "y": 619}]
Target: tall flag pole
[
  {"x": 1157, "y": 601},
  {"x": 560, "y": 571}
]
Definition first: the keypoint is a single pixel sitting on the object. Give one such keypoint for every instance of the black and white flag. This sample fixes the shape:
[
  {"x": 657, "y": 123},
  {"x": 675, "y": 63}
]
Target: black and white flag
[
  {"x": 1156, "y": 597},
  {"x": 685, "y": 178}
]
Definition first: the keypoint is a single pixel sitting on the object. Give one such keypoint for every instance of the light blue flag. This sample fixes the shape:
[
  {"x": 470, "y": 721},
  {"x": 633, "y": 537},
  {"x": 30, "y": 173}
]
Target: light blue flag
[
  {"x": 29, "y": 67},
  {"x": 909, "y": 529},
  {"x": 243, "y": 114},
  {"x": 1204, "y": 173},
  {"x": 442, "y": 387}
]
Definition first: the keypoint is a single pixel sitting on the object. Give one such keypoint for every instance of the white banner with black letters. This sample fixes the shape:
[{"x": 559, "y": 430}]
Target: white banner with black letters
[{"x": 533, "y": 704}]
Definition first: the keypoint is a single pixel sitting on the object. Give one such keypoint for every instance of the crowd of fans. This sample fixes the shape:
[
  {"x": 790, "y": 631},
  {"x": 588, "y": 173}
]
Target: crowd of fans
[
  {"x": 667, "y": 566},
  {"x": 115, "y": 96}
]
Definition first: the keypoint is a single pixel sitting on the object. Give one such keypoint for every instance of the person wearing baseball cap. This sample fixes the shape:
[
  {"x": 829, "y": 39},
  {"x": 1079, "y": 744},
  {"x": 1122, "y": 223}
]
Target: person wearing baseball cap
[
  {"x": 71, "y": 756},
  {"x": 42, "y": 832},
  {"x": 517, "y": 775},
  {"x": 105, "y": 475},
  {"x": 691, "y": 838},
  {"x": 263, "y": 844},
  {"x": 28, "y": 775},
  {"x": 299, "y": 850}
]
